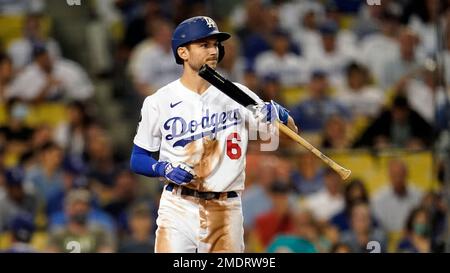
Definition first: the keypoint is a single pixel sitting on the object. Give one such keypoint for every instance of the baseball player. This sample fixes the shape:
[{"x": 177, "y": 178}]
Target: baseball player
[{"x": 201, "y": 136}]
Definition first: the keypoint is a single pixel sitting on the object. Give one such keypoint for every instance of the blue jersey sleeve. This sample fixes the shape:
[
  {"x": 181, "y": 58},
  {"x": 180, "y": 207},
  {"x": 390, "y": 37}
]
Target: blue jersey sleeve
[{"x": 141, "y": 162}]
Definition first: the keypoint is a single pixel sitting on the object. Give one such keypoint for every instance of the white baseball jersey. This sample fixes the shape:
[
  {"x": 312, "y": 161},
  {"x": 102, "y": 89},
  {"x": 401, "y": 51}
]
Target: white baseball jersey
[{"x": 209, "y": 132}]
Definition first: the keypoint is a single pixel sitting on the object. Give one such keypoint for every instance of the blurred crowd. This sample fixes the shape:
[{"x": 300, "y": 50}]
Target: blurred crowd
[{"x": 353, "y": 76}]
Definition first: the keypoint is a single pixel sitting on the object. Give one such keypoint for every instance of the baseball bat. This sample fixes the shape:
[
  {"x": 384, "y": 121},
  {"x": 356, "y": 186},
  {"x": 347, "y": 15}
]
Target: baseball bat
[{"x": 235, "y": 93}]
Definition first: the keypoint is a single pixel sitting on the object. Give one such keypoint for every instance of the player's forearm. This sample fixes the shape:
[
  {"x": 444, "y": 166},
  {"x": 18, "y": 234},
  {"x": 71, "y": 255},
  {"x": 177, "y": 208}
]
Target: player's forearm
[{"x": 141, "y": 162}]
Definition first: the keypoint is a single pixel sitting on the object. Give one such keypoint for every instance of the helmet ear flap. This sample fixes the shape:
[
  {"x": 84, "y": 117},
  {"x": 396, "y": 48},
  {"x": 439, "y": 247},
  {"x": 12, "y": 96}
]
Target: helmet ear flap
[{"x": 221, "y": 52}]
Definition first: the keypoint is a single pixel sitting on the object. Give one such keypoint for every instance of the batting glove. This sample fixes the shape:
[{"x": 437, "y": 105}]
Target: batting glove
[
  {"x": 177, "y": 173},
  {"x": 269, "y": 111}
]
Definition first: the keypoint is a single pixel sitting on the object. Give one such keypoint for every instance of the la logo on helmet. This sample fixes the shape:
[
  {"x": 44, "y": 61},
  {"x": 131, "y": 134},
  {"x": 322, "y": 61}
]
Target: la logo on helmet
[{"x": 210, "y": 22}]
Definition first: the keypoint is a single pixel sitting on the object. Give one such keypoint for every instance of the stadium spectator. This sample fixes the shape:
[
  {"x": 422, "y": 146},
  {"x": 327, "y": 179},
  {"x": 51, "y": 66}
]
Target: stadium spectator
[
  {"x": 258, "y": 190},
  {"x": 398, "y": 127},
  {"x": 340, "y": 248},
  {"x": 71, "y": 133},
  {"x": 87, "y": 235},
  {"x": 250, "y": 78},
  {"x": 46, "y": 79},
  {"x": 45, "y": 178},
  {"x": 138, "y": 19},
  {"x": 279, "y": 219},
  {"x": 299, "y": 240},
  {"x": 271, "y": 88},
  {"x": 354, "y": 192},
  {"x": 151, "y": 63},
  {"x": 379, "y": 48},
  {"x": 95, "y": 215},
  {"x": 247, "y": 15},
  {"x": 22, "y": 229},
  {"x": 425, "y": 92},
  {"x": 256, "y": 21},
  {"x": 293, "y": 14},
  {"x": 233, "y": 64},
  {"x": 444, "y": 54},
  {"x": 309, "y": 176},
  {"x": 369, "y": 20},
  {"x": 124, "y": 194},
  {"x": 363, "y": 98},
  {"x": 335, "y": 134},
  {"x": 16, "y": 200},
  {"x": 329, "y": 235},
  {"x": 393, "y": 204},
  {"x": 281, "y": 62},
  {"x": 404, "y": 64},
  {"x": 346, "y": 39},
  {"x": 183, "y": 10},
  {"x": 328, "y": 201},
  {"x": 435, "y": 204},
  {"x": 328, "y": 56},
  {"x": 141, "y": 237},
  {"x": 129, "y": 9},
  {"x": 347, "y": 7},
  {"x": 73, "y": 177},
  {"x": 16, "y": 132},
  {"x": 21, "y": 50},
  {"x": 305, "y": 33},
  {"x": 362, "y": 230},
  {"x": 42, "y": 134},
  {"x": 417, "y": 232},
  {"x": 313, "y": 112},
  {"x": 422, "y": 19},
  {"x": 102, "y": 164},
  {"x": 6, "y": 76},
  {"x": 20, "y": 7}
]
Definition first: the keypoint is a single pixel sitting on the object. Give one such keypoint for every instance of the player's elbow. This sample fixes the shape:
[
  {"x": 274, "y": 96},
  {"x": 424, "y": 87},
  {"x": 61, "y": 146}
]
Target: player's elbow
[
  {"x": 141, "y": 162},
  {"x": 134, "y": 163}
]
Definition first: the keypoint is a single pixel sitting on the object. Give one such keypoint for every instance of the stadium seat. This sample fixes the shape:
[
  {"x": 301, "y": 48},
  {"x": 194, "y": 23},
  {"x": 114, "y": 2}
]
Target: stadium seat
[
  {"x": 393, "y": 240},
  {"x": 47, "y": 113},
  {"x": 11, "y": 27},
  {"x": 373, "y": 169},
  {"x": 40, "y": 240},
  {"x": 5, "y": 240},
  {"x": 292, "y": 96}
]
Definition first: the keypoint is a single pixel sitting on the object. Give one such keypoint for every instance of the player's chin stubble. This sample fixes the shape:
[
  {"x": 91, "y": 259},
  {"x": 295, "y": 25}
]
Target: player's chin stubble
[
  {"x": 212, "y": 63},
  {"x": 195, "y": 66}
]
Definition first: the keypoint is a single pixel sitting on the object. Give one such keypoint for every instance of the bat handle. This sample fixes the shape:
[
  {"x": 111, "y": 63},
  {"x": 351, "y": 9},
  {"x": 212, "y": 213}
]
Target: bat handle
[{"x": 343, "y": 172}]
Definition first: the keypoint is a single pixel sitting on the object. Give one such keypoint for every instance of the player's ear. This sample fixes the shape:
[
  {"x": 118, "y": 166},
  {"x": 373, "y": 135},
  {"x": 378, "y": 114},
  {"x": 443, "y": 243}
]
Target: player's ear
[{"x": 183, "y": 52}]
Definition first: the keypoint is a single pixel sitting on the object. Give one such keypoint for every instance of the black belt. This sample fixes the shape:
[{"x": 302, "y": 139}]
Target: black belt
[{"x": 207, "y": 195}]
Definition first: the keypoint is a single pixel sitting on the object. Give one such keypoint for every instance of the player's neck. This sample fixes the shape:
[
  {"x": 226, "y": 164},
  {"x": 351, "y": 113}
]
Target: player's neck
[{"x": 192, "y": 81}]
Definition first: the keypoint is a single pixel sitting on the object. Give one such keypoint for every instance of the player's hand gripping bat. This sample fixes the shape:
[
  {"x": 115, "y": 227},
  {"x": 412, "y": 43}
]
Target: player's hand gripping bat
[{"x": 234, "y": 92}]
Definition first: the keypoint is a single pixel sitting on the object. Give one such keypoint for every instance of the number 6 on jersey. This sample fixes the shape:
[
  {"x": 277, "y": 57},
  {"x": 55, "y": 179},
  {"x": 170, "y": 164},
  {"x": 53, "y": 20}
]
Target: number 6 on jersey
[{"x": 233, "y": 149}]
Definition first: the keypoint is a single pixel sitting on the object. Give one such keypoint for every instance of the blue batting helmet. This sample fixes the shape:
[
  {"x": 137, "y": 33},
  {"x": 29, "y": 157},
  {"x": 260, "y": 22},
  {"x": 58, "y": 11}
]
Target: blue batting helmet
[{"x": 194, "y": 29}]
